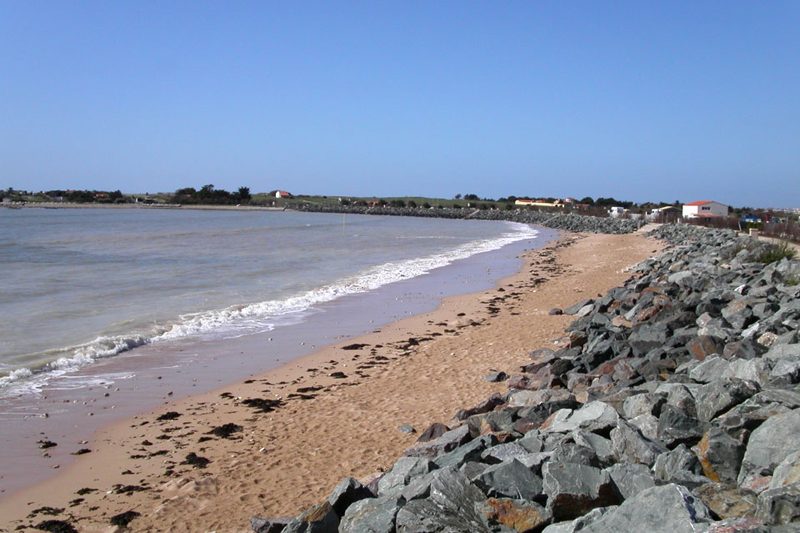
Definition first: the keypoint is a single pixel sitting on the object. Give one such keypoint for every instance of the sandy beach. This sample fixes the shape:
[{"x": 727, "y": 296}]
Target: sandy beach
[{"x": 279, "y": 442}]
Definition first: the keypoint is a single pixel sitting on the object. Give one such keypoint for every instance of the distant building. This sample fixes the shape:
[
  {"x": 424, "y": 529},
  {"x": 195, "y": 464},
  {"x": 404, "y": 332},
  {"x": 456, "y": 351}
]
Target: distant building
[
  {"x": 617, "y": 211},
  {"x": 280, "y": 194},
  {"x": 704, "y": 209},
  {"x": 527, "y": 202},
  {"x": 668, "y": 212}
]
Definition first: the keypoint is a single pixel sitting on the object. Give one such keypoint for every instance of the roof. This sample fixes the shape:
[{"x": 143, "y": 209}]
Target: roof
[{"x": 702, "y": 202}]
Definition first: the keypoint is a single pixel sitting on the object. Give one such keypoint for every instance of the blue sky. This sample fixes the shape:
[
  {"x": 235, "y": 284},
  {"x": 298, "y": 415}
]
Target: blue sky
[{"x": 636, "y": 100}]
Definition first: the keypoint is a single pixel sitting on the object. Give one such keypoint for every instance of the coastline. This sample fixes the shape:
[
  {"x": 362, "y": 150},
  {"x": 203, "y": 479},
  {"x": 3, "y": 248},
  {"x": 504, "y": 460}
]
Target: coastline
[{"x": 414, "y": 371}]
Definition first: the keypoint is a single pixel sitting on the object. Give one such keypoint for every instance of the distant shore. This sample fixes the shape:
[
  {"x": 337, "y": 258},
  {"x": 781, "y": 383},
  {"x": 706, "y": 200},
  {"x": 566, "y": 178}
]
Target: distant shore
[{"x": 71, "y": 205}]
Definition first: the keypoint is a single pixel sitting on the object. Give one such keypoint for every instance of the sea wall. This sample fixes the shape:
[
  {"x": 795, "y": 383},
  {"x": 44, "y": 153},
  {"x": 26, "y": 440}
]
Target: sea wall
[
  {"x": 672, "y": 404},
  {"x": 566, "y": 221}
]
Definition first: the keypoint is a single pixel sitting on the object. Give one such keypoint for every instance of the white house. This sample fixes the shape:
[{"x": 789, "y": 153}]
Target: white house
[{"x": 704, "y": 209}]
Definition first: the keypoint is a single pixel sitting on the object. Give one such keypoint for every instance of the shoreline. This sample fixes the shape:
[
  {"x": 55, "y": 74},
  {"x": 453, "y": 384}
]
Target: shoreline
[{"x": 320, "y": 407}]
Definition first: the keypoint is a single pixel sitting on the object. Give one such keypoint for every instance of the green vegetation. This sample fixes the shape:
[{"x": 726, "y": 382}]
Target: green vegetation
[
  {"x": 209, "y": 195},
  {"x": 776, "y": 252}
]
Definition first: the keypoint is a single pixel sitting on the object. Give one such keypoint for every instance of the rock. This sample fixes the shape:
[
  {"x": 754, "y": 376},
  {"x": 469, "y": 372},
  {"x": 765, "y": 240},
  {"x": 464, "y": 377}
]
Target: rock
[
  {"x": 598, "y": 417},
  {"x": 573, "y": 489},
  {"x": 501, "y": 452},
  {"x": 720, "y": 455},
  {"x": 754, "y": 370},
  {"x": 495, "y": 377},
  {"x": 434, "y": 431},
  {"x": 675, "y": 426},
  {"x": 467, "y": 452},
  {"x": 510, "y": 479},
  {"x": 393, "y": 482},
  {"x": 642, "y": 404},
  {"x": 573, "y": 309},
  {"x": 493, "y": 401},
  {"x": 555, "y": 311},
  {"x": 373, "y": 515},
  {"x": 722, "y": 394},
  {"x": 519, "y": 515},
  {"x": 647, "y": 425},
  {"x": 268, "y": 525},
  {"x": 632, "y": 447},
  {"x": 347, "y": 492},
  {"x": 727, "y": 501},
  {"x": 450, "y": 507},
  {"x": 771, "y": 443},
  {"x": 647, "y": 336},
  {"x": 630, "y": 479},
  {"x": 704, "y": 346},
  {"x": 786, "y": 473},
  {"x": 319, "y": 518},
  {"x": 579, "y": 523},
  {"x": 679, "y": 466},
  {"x": 444, "y": 443},
  {"x": 780, "y": 506},
  {"x": 709, "y": 369},
  {"x": 663, "y": 509},
  {"x": 407, "y": 428}
]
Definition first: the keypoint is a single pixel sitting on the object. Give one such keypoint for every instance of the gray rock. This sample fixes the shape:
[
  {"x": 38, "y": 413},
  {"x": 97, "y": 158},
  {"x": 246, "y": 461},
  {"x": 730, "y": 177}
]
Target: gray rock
[
  {"x": 675, "y": 425},
  {"x": 785, "y": 372},
  {"x": 373, "y": 515},
  {"x": 495, "y": 377},
  {"x": 642, "y": 404},
  {"x": 709, "y": 369},
  {"x": 679, "y": 466},
  {"x": 501, "y": 452},
  {"x": 786, "y": 473},
  {"x": 448, "y": 441},
  {"x": 510, "y": 479},
  {"x": 594, "y": 416},
  {"x": 393, "y": 482},
  {"x": 720, "y": 395},
  {"x": 347, "y": 492},
  {"x": 720, "y": 455},
  {"x": 579, "y": 523},
  {"x": 573, "y": 489},
  {"x": 434, "y": 431},
  {"x": 601, "y": 447},
  {"x": 450, "y": 507},
  {"x": 663, "y": 509},
  {"x": 268, "y": 525},
  {"x": 630, "y": 479},
  {"x": 645, "y": 337},
  {"x": 755, "y": 370},
  {"x": 780, "y": 506},
  {"x": 770, "y": 444},
  {"x": 632, "y": 447},
  {"x": 470, "y": 451},
  {"x": 647, "y": 425}
]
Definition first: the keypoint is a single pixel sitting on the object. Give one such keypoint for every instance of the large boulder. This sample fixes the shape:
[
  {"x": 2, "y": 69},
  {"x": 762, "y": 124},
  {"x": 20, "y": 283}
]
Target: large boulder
[
  {"x": 770, "y": 444},
  {"x": 663, "y": 509},
  {"x": 375, "y": 515},
  {"x": 573, "y": 490}
]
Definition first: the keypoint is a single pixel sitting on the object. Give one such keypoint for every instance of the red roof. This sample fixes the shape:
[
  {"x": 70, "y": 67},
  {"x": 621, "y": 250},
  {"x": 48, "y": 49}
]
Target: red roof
[{"x": 700, "y": 202}]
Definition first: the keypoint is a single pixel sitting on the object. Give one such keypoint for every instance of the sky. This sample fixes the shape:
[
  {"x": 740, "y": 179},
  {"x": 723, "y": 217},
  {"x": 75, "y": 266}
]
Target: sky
[{"x": 641, "y": 101}]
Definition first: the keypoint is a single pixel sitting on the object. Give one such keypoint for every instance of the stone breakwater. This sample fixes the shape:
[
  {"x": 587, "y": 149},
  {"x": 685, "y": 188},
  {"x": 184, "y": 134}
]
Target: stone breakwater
[
  {"x": 565, "y": 221},
  {"x": 672, "y": 404}
]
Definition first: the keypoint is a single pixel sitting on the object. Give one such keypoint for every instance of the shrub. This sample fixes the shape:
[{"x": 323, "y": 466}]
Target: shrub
[{"x": 776, "y": 252}]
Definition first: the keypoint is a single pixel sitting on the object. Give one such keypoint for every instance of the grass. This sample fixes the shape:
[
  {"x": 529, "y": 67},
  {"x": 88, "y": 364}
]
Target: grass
[{"x": 776, "y": 252}]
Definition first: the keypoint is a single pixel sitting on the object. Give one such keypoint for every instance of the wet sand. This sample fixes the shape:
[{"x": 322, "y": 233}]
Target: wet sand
[{"x": 276, "y": 443}]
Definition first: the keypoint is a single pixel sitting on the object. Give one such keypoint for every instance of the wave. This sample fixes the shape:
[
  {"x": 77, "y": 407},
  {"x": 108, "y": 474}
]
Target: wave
[{"x": 244, "y": 319}]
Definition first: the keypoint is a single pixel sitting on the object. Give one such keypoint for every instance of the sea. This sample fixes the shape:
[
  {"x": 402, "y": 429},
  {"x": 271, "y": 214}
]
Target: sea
[{"x": 81, "y": 286}]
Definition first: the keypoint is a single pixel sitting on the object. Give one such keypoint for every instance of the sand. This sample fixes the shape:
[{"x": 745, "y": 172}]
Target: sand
[{"x": 317, "y": 426}]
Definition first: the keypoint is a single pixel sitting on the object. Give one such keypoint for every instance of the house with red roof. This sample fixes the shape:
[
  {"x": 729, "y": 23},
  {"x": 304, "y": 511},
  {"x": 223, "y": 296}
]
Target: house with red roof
[{"x": 704, "y": 209}]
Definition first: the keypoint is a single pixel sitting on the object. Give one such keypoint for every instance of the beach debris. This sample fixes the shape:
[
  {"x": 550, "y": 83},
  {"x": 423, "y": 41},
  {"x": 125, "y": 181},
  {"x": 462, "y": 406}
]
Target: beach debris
[
  {"x": 44, "y": 444},
  {"x": 196, "y": 461},
  {"x": 264, "y": 405},
  {"x": 123, "y": 519},
  {"x": 84, "y": 491},
  {"x": 47, "y": 511},
  {"x": 169, "y": 415},
  {"x": 56, "y": 526},
  {"x": 338, "y": 375},
  {"x": 81, "y": 451},
  {"x": 127, "y": 489},
  {"x": 354, "y": 346},
  {"x": 226, "y": 430}
]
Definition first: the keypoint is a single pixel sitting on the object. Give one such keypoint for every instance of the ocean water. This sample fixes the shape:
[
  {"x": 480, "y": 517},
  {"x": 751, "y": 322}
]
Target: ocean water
[{"x": 82, "y": 285}]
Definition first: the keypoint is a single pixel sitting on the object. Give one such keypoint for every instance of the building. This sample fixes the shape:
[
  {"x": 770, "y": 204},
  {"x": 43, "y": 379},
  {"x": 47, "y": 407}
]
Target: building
[
  {"x": 704, "y": 209},
  {"x": 527, "y": 202},
  {"x": 280, "y": 194}
]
